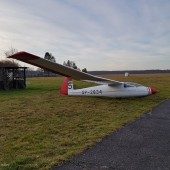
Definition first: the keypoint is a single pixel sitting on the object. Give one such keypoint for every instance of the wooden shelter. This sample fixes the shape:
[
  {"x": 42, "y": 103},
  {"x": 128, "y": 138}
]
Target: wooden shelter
[{"x": 12, "y": 78}]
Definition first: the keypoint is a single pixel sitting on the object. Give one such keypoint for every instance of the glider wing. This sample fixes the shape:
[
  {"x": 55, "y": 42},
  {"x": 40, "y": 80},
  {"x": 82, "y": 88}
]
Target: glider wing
[{"x": 61, "y": 69}]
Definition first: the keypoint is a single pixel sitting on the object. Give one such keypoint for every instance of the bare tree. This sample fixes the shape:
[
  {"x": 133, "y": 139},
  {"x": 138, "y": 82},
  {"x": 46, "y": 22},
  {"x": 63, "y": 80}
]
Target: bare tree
[
  {"x": 9, "y": 62},
  {"x": 10, "y": 52}
]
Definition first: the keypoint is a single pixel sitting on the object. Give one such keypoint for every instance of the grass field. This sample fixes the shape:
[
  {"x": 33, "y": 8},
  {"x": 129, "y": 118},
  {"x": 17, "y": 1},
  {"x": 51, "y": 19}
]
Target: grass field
[{"x": 40, "y": 128}]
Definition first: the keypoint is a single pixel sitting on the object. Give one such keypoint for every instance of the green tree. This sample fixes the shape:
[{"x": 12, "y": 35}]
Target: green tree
[
  {"x": 71, "y": 64},
  {"x": 50, "y": 57},
  {"x": 84, "y": 70}
]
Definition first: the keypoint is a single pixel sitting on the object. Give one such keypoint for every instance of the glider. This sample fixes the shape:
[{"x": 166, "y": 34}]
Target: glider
[{"x": 106, "y": 87}]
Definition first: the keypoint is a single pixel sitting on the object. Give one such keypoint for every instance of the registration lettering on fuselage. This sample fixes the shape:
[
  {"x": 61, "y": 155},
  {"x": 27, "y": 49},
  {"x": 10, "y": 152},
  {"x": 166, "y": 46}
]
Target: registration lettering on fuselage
[{"x": 91, "y": 91}]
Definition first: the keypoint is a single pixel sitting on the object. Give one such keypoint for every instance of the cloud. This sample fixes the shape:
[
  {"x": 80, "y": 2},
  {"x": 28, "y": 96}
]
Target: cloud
[{"x": 99, "y": 35}]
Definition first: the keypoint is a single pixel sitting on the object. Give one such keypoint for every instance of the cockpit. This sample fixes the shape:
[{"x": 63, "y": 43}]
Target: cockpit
[{"x": 130, "y": 84}]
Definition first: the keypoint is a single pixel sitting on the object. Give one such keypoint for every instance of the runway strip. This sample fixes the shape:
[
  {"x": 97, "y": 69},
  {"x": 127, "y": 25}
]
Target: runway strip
[{"x": 144, "y": 144}]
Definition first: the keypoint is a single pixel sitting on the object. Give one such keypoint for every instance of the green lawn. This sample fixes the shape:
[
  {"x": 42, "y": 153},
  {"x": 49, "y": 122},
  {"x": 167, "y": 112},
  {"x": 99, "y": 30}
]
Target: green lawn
[{"x": 40, "y": 128}]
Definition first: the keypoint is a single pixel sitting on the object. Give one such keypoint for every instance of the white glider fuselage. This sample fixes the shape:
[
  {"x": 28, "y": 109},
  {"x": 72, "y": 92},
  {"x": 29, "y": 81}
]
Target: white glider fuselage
[
  {"x": 106, "y": 91},
  {"x": 124, "y": 90}
]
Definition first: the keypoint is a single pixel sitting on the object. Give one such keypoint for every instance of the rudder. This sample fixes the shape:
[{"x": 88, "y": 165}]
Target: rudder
[{"x": 67, "y": 85}]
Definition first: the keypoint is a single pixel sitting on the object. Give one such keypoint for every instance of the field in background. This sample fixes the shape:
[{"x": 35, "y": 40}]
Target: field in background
[{"x": 40, "y": 128}]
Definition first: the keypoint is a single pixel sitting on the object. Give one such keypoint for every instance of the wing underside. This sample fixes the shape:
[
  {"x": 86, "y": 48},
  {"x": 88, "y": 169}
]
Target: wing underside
[{"x": 61, "y": 69}]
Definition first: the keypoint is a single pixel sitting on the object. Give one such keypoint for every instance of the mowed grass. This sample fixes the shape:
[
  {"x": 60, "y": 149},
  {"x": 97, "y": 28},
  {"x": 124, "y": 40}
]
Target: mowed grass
[{"x": 40, "y": 128}]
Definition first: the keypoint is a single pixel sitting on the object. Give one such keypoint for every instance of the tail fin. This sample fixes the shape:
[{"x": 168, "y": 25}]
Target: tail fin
[{"x": 67, "y": 85}]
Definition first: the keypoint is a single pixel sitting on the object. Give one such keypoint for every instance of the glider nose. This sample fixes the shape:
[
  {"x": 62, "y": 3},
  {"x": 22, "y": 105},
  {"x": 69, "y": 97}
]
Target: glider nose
[{"x": 153, "y": 90}]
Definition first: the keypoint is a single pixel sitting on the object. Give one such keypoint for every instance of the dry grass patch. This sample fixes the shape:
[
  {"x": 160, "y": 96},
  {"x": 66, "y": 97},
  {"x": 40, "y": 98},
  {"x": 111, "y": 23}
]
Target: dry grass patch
[{"x": 41, "y": 128}]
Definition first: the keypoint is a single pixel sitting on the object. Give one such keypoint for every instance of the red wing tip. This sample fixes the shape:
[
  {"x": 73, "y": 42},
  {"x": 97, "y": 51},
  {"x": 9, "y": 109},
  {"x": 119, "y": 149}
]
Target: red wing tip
[
  {"x": 16, "y": 54},
  {"x": 23, "y": 56}
]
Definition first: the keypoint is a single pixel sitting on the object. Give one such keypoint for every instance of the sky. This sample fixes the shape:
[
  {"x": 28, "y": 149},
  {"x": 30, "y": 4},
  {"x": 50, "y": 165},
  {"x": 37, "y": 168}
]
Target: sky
[{"x": 96, "y": 34}]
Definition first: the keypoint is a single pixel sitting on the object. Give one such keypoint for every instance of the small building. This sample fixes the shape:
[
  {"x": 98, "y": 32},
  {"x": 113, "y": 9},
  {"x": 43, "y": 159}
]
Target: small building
[
  {"x": 126, "y": 74},
  {"x": 12, "y": 78}
]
